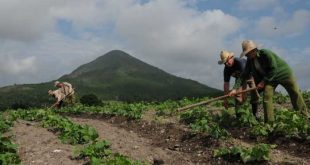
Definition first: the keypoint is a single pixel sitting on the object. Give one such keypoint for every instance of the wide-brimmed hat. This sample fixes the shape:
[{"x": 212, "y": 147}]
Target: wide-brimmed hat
[
  {"x": 56, "y": 83},
  {"x": 225, "y": 55},
  {"x": 247, "y": 46}
]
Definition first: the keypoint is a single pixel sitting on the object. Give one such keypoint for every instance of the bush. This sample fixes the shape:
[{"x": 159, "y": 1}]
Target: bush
[
  {"x": 90, "y": 99},
  {"x": 20, "y": 105}
]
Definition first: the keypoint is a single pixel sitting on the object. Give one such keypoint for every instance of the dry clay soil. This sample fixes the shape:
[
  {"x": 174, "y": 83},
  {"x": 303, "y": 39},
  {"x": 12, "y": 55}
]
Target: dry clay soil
[{"x": 142, "y": 140}]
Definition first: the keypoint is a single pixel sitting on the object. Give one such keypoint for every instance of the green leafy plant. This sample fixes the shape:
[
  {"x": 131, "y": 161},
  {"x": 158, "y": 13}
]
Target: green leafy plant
[
  {"x": 8, "y": 151},
  {"x": 4, "y": 124},
  {"x": 288, "y": 123},
  {"x": 101, "y": 153},
  {"x": 291, "y": 124},
  {"x": 193, "y": 115},
  {"x": 132, "y": 111},
  {"x": 259, "y": 152},
  {"x": 261, "y": 130},
  {"x": 202, "y": 121},
  {"x": 98, "y": 150},
  {"x": 280, "y": 98},
  {"x": 119, "y": 159},
  {"x": 246, "y": 118},
  {"x": 68, "y": 131},
  {"x": 166, "y": 108}
]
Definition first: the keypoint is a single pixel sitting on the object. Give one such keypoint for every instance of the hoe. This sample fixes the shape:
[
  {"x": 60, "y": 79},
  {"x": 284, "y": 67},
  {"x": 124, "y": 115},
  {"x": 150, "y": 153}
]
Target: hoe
[{"x": 215, "y": 99}]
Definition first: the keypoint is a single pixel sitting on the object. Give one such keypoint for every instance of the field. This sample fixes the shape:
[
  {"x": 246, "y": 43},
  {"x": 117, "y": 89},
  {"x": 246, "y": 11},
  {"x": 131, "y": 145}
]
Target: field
[{"x": 154, "y": 133}]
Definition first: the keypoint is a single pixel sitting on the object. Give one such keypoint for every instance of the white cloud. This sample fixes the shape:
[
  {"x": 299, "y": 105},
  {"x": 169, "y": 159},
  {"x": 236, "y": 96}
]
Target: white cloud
[
  {"x": 49, "y": 58},
  {"x": 13, "y": 66},
  {"x": 32, "y": 50},
  {"x": 170, "y": 34},
  {"x": 299, "y": 61},
  {"x": 178, "y": 39},
  {"x": 91, "y": 14},
  {"x": 25, "y": 21}
]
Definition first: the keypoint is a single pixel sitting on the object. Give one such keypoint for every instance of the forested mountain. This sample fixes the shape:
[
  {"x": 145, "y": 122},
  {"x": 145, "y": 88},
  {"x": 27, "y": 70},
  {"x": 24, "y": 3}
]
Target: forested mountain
[{"x": 113, "y": 76}]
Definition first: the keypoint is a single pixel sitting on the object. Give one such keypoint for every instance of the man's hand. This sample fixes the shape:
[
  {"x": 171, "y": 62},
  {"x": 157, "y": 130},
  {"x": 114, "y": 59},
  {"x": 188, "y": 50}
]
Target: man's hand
[
  {"x": 232, "y": 92},
  {"x": 261, "y": 85}
]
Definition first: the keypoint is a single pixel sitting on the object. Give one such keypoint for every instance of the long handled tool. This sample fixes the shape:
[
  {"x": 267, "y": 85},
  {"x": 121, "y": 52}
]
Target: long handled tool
[{"x": 214, "y": 99}]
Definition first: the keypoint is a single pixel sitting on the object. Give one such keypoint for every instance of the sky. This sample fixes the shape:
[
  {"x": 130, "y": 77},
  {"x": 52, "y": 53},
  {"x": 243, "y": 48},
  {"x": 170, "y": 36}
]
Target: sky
[{"x": 41, "y": 40}]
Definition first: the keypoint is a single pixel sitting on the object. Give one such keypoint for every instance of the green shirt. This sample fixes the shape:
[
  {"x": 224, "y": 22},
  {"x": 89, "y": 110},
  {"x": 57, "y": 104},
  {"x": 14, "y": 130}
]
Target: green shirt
[{"x": 268, "y": 67}]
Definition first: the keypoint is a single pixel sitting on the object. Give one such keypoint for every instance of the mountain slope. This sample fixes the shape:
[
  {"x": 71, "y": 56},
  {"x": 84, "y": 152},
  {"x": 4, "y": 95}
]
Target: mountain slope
[
  {"x": 120, "y": 76},
  {"x": 114, "y": 76}
]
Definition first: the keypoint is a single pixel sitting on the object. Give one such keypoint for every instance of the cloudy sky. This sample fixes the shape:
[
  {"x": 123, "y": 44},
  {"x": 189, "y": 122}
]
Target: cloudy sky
[{"x": 40, "y": 40}]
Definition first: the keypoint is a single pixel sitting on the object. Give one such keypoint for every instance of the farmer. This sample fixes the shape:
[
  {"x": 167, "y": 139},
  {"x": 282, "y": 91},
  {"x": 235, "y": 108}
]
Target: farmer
[
  {"x": 59, "y": 97},
  {"x": 234, "y": 66},
  {"x": 269, "y": 70},
  {"x": 66, "y": 89}
]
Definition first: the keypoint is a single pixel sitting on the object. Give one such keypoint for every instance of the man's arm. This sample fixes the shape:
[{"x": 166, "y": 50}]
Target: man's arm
[
  {"x": 226, "y": 87},
  {"x": 245, "y": 75},
  {"x": 226, "y": 91}
]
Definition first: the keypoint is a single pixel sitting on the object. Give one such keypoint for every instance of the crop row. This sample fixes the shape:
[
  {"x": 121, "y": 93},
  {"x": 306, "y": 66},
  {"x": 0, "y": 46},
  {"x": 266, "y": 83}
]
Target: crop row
[
  {"x": 69, "y": 132},
  {"x": 8, "y": 150},
  {"x": 133, "y": 111}
]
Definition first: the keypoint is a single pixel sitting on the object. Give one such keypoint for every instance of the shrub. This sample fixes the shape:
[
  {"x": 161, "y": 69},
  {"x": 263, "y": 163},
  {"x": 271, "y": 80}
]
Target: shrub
[
  {"x": 20, "y": 105},
  {"x": 90, "y": 99}
]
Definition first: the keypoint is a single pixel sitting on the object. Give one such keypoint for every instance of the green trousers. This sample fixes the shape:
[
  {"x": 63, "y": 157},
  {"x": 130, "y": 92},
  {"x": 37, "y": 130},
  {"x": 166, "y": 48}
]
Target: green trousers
[{"x": 292, "y": 89}]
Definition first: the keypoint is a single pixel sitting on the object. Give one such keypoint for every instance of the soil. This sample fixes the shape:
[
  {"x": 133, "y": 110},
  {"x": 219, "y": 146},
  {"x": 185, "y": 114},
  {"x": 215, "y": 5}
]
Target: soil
[
  {"x": 38, "y": 146},
  {"x": 132, "y": 143},
  {"x": 150, "y": 141}
]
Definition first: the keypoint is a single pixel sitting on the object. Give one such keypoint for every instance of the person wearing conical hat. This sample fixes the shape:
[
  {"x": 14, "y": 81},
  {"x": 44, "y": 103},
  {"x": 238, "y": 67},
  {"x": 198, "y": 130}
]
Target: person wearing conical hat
[
  {"x": 234, "y": 67},
  {"x": 269, "y": 71}
]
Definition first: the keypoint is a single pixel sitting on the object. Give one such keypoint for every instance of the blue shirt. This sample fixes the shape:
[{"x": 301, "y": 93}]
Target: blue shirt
[{"x": 235, "y": 70}]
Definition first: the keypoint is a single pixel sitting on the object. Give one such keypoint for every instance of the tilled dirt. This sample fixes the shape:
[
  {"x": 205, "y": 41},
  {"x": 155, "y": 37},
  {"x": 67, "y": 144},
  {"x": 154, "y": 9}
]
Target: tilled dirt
[
  {"x": 149, "y": 140},
  {"x": 135, "y": 146},
  {"x": 154, "y": 142},
  {"x": 38, "y": 146}
]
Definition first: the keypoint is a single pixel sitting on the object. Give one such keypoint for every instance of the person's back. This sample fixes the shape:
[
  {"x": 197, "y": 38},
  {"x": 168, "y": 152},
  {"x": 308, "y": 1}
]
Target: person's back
[
  {"x": 67, "y": 88},
  {"x": 278, "y": 66},
  {"x": 58, "y": 94},
  {"x": 235, "y": 70}
]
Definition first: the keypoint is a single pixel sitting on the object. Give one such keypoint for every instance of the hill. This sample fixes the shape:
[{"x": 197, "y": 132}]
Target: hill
[{"x": 113, "y": 76}]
